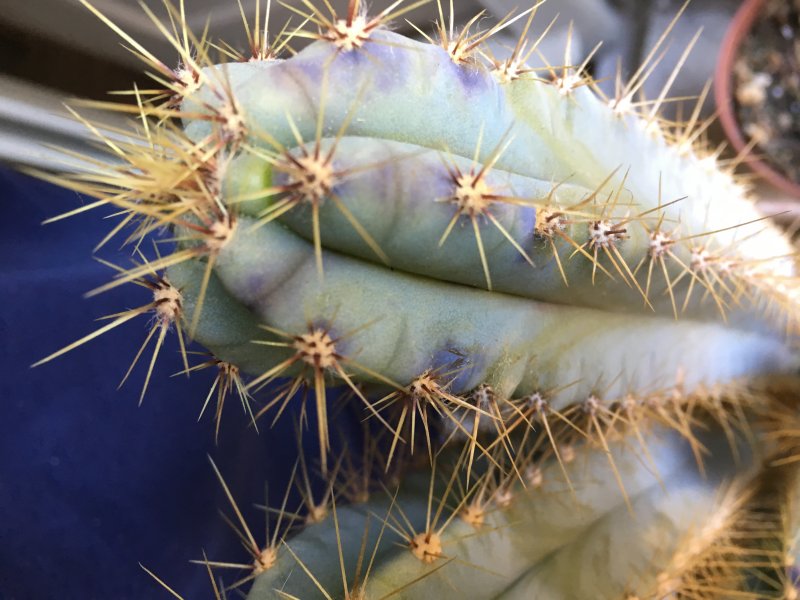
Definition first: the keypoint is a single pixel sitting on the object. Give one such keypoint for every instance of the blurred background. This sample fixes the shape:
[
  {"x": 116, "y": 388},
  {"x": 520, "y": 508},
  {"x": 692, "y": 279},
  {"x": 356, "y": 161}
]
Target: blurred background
[
  {"x": 90, "y": 484},
  {"x": 53, "y": 49}
]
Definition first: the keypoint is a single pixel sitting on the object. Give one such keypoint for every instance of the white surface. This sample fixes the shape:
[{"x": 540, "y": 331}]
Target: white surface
[{"x": 36, "y": 128}]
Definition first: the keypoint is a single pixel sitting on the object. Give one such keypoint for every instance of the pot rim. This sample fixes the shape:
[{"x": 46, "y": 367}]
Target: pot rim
[{"x": 740, "y": 26}]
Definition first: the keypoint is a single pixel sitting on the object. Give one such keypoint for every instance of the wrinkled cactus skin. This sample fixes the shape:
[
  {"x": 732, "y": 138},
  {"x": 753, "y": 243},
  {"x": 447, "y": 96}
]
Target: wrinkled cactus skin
[{"x": 561, "y": 305}]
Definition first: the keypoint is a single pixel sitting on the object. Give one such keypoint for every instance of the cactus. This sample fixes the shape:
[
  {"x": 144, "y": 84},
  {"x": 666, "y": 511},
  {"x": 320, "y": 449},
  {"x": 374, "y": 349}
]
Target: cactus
[{"x": 568, "y": 329}]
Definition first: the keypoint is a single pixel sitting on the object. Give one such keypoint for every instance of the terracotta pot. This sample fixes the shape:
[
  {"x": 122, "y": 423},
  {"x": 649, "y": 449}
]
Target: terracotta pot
[{"x": 739, "y": 28}]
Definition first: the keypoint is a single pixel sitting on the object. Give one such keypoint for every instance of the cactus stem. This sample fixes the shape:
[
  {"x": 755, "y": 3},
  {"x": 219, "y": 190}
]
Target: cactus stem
[
  {"x": 353, "y": 30},
  {"x": 211, "y": 237},
  {"x": 258, "y": 37},
  {"x": 426, "y": 544},
  {"x": 473, "y": 198},
  {"x": 622, "y": 103},
  {"x": 659, "y": 248},
  {"x": 571, "y": 77},
  {"x": 702, "y": 268},
  {"x": 551, "y": 221},
  {"x": 316, "y": 350},
  {"x": 463, "y": 46},
  {"x": 355, "y": 577},
  {"x": 354, "y": 587},
  {"x": 231, "y": 125},
  {"x": 536, "y": 408},
  {"x": 687, "y": 134},
  {"x": 488, "y": 403},
  {"x": 596, "y": 413},
  {"x": 188, "y": 76},
  {"x": 216, "y": 235},
  {"x": 175, "y": 176},
  {"x": 315, "y": 511},
  {"x": 262, "y": 558},
  {"x": 236, "y": 163},
  {"x": 634, "y": 419},
  {"x": 604, "y": 235},
  {"x": 311, "y": 179},
  {"x": 425, "y": 393},
  {"x": 515, "y": 67},
  {"x": 476, "y": 502},
  {"x": 474, "y": 514},
  {"x": 490, "y": 493},
  {"x": 708, "y": 559}
]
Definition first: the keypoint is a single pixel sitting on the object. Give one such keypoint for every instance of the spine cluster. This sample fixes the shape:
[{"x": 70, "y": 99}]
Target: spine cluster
[{"x": 550, "y": 299}]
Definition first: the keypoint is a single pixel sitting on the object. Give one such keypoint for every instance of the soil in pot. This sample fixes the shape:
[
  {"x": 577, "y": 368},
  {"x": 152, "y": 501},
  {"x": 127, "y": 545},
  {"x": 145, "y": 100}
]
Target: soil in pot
[{"x": 767, "y": 86}]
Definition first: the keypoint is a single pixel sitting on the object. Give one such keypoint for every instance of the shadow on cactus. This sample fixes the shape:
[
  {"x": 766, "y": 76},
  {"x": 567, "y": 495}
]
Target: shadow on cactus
[{"x": 571, "y": 334}]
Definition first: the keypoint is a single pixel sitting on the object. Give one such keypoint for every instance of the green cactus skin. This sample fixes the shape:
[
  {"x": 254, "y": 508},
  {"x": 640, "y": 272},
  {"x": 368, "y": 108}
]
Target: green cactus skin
[
  {"x": 519, "y": 547},
  {"x": 562, "y": 291},
  {"x": 515, "y": 345},
  {"x": 539, "y": 132}
]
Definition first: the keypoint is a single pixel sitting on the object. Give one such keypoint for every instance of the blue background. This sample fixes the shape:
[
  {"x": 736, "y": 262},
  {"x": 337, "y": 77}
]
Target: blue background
[{"x": 91, "y": 484}]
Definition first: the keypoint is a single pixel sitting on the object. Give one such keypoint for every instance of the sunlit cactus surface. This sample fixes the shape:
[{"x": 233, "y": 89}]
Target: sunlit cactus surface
[{"x": 568, "y": 333}]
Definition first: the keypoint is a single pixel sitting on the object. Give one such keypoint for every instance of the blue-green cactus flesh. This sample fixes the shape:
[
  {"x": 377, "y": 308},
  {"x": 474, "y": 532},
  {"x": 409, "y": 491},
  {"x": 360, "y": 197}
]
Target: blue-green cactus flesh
[{"x": 565, "y": 297}]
